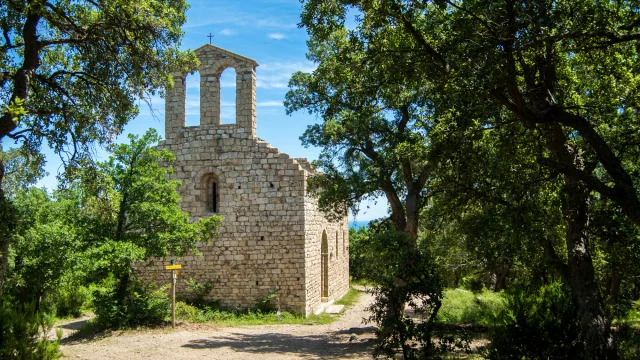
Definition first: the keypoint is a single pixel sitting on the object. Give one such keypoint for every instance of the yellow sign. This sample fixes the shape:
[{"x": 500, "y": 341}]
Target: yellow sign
[{"x": 173, "y": 267}]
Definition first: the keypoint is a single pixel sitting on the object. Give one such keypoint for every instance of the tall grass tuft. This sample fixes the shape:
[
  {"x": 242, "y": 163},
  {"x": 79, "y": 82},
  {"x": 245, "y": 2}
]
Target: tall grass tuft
[{"x": 464, "y": 307}]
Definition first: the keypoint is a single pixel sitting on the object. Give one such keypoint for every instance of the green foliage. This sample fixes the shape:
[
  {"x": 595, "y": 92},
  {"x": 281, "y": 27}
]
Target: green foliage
[
  {"x": 130, "y": 212},
  {"x": 71, "y": 76},
  {"x": 538, "y": 325},
  {"x": 628, "y": 342},
  {"x": 265, "y": 304},
  {"x": 23, "y": 334},
  {"x": 21, "y": 169},
  {"x": 144, "y": 305},
  {"x": 473, "y": 284},
  {"x": 404, "y": 274},
  {"x": 45, "y": 248},
  {"x": 358, "y": 254},
  {"x": 198, "y": 292},
  {"x": 350, "y": 298},
  {"x": 215, "y": 314},
  {"x": 464, "y": 307},
  {"x": 110, "y": 216},
  {"x": 69, "y": 299}
]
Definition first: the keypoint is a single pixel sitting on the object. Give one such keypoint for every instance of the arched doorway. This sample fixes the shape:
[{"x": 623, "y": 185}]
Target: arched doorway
[{"x": 324, "y": 267}]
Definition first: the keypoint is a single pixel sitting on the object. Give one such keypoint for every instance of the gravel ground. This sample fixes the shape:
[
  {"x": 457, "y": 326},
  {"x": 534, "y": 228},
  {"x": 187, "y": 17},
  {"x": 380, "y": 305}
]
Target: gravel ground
[{"x": 346, "y": 338}]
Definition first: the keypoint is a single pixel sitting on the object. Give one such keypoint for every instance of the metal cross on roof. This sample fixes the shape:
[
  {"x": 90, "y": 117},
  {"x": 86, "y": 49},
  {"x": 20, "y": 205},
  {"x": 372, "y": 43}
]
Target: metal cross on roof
[{"x": 210, "y": 37}]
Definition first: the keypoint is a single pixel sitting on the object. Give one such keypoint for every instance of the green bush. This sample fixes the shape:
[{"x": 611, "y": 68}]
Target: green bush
[
  {"x": 23, "y": 334},
  {"x": 538, "y": 325},
  {"x": 464, "y": 307},
  {"x": 198, "y": 292},
  {"x": 627, "y": 341},
  {"x": 144, "y": 305},
  {"x": 474, "y": 284},
  {"x": 237, "y": 317},
  {"x": 405, "y": 275},
  {"x": 68, "y": 301},
  {"x": 265, "y": 304}
]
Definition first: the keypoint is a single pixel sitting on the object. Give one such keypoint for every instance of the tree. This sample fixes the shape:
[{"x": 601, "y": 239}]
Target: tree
[
  {"x": 16, "y": 173},
  {"x": 71, "y": 73},
  {"x": 566, "y": 70},
  {"x": 379, "y": 136},
  {"x": 376, "y": 136},
  {"x": 499, "y": 207},
  {"x": 45, "y": 246},
  {"x": 129, "y": 212}
]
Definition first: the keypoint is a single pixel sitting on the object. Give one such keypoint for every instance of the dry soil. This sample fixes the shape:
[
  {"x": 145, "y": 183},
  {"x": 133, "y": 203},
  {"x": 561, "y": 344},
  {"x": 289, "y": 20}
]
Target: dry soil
[{"x": 346, "y": 338}]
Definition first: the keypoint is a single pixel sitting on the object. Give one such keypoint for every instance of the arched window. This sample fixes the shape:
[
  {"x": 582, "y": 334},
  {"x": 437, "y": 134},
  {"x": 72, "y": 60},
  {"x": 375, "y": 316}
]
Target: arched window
[
  {"x": 228, "y": 96},
  {"x": 192, "y": 102},
  {"x": 211, "y": 196}
]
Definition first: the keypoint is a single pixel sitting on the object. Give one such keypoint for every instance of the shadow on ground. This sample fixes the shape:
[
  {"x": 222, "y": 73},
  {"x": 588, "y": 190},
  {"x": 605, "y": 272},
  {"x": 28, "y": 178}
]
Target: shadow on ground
[
  {"x": 335, "y": 346},
  {"x": 75, "y": 325}
]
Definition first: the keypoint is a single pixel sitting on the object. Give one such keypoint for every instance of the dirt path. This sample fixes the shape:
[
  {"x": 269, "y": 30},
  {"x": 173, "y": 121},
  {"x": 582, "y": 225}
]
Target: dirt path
[{"x": 346, "y": 338}]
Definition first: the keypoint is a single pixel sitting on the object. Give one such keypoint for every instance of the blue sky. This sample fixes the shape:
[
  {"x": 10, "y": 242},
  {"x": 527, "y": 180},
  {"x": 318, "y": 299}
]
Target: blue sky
[{"x": 267, "y": 32}]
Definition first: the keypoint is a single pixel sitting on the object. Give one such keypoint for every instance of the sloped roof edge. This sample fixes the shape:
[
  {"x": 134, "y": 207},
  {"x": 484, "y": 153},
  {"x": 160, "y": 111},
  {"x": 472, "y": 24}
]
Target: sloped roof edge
[{"x": 230, "y": 53}]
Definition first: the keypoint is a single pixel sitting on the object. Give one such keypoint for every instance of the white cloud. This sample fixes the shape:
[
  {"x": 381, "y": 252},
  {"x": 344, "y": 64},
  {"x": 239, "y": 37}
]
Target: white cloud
[
  {"x": 276, "y": 36},
  {"x": 269, "y": 104},
  {"x": 237, "y": 19},
  {"x": 227, "y": 32},
  {"x": 277, "y": 75}
]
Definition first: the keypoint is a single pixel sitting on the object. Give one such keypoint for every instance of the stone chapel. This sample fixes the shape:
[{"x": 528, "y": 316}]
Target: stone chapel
[{"x": 273, "y": 236}]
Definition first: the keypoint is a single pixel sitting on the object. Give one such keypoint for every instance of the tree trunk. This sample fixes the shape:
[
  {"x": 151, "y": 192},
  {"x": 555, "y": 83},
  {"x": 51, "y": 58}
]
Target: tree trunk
[
  {"x": 121, "y": 290},
  {"x": 501, "y": 278},
  {"x": 586, "y": 294},
  {"x": 584, "y": 288},
  {"x": 613, "y": 293}
]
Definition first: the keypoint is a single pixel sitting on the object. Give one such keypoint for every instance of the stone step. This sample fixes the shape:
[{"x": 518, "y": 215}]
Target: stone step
[{"x": 334, "y": 309}]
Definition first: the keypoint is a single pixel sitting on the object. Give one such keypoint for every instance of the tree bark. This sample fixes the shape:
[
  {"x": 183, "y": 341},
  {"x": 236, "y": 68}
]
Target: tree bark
[
  {"x": 584, "y": 288},
  {"x": 501, "y": 278},
  {"x": 595, "y": 324}
]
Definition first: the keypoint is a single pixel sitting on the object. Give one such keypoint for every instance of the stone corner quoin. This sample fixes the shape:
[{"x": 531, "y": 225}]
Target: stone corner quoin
[{"x": 273, "y": 237}]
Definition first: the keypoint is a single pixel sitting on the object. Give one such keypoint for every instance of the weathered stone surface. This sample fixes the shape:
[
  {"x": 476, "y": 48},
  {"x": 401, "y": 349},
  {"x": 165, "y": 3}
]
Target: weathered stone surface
[
  {"x": 334, "y": 309},
  {"x": 273, "y": 231}
]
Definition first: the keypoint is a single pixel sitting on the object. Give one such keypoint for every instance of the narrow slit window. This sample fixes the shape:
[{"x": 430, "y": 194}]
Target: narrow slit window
[{"x": 212, "y": 194}]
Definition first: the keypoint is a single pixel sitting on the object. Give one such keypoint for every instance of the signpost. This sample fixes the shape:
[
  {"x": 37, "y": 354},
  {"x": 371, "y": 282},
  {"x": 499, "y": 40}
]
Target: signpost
[{"x": 174, "y": 277}]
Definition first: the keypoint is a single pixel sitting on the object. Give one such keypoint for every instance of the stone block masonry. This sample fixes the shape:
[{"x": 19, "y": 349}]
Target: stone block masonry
[{"x": 273, "y": 236}]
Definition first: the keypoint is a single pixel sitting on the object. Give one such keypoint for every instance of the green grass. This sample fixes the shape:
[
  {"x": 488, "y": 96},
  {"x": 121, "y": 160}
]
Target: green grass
[
  {"x": 350, "y": 298},
  {"x": 362, "y": 282},
  {"x": 190, "y": 313},
  {"x": 464, "y": 307}
]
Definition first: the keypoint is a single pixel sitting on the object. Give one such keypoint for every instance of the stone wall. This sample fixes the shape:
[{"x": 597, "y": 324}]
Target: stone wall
[
  {"x": 337, "y": 234},
  {"x": 271, "y": 235}
]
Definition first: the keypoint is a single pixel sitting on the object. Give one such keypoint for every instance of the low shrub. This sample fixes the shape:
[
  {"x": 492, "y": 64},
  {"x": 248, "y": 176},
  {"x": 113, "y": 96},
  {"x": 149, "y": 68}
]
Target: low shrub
[
  {"x": 627, "y": 341},
  {"x": 144, "y": 305},
  {"x": 198, "y": 292},
  {"x": 539, "y": 324},
  {"x": 236, "y": 317},
  {"x": 465, "y": 307},
  {"x": 265, "y": 304},
  {"x": 474, "y": 284},
  {"x": 23, "y": 334},
  {"x": 68, "y": 301}
]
